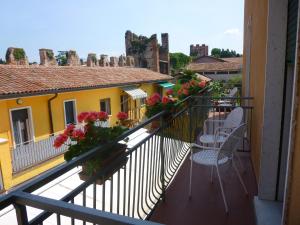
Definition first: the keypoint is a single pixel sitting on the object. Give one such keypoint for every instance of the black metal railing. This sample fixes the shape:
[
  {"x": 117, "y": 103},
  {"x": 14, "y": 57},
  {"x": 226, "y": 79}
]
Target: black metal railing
[{"x": 129, "y": 188}]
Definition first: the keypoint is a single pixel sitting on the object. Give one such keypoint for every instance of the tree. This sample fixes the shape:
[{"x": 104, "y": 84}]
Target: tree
[
  {"x": 61, "y": 58},
  {"x": 179, "y": 60},
  {"x": 2, "y": 61},
  {"x": 216, "y": 52},
  {"x": 222, "y": 53}
]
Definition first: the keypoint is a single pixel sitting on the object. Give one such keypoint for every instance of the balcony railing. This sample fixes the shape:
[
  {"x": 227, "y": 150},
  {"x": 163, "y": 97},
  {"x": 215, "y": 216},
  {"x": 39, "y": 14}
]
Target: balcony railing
[
  {"x": 32, "y": 153},
  {"x": 130, "y": 194}
]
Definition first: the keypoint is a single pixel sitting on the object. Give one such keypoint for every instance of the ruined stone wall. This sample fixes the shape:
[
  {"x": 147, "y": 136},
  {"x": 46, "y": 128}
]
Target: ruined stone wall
[
  {"x": 16, "y": 56},
  {"x": 147, "y": 53},
  {"x": 198, "y": 50}
]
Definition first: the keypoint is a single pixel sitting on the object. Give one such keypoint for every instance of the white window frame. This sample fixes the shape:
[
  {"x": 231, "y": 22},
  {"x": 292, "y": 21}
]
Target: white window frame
[
  {"x": 31, "y": 125},
  {"x": 75, "y": 110},
  {"x": 104, "y": 99}
]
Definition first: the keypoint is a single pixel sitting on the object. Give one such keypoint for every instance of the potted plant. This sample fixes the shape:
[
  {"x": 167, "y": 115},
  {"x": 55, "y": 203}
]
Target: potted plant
[
  {"x": 92, "y": 134},
  {"x": 123, "y": 118},
  {"x": 156, "y": 104}
]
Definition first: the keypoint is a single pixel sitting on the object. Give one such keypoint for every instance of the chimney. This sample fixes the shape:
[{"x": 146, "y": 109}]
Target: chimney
[
  {"x": 92, "y": 60},
  {"x": 47, "y": 57},
  {"x": 114, "y": 61},
  {"x": 130, "y": 61},
  {"x": 122, "y": 60},
  {"x": 103, "y": 60},
  {"x": 16, "y": 56},
  {"x": 72, "y": 58}
]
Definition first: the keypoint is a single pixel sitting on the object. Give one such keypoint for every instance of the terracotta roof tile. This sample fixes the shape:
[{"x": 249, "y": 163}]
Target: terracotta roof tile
[
  {"x": 215, "y": 66},
  {"x": 16, "y": 80}
]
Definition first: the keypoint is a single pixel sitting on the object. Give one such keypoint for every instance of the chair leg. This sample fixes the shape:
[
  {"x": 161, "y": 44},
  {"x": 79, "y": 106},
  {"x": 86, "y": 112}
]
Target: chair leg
[
  {"x": 211, "y": 174},
  {"x": 191, "y": 174},
  {"x": 240, "y": 162},
  {"x": 240, "y": 178},
  {"x": 222, "y": 189}
]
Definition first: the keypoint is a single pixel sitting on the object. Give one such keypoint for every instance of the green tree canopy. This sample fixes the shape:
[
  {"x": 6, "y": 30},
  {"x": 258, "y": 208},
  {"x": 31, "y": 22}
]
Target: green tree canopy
[
  {"x": 61, "y": 58},
  {"x": 179, "y": 60},
  {"x": 222, "y": 53}
]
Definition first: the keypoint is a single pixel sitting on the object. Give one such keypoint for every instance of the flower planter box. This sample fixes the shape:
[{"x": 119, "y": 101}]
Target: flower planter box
[{"x": 83, "y": 175}]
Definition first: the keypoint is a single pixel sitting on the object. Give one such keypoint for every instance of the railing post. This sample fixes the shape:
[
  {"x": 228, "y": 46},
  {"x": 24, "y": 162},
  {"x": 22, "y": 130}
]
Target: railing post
[
  {"x": 21, "y": 213},
  {"x": 190, "y": 118},
  {"x": 162, "y": 158}
]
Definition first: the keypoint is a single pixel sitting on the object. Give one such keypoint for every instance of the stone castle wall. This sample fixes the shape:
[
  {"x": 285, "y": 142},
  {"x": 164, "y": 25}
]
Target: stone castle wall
[
  {"x": 199, "y": 50},
  {"x": 147, "y": 53}
]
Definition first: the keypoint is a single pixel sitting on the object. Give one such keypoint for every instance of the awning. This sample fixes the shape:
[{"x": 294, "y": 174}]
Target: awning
[
  {"x": 166, "y": 85},
  {"x": 135, "y": 92}
]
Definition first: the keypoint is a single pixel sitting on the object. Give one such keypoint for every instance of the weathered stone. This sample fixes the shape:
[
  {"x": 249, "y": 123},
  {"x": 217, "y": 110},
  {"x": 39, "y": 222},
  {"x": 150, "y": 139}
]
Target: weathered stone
[
  {"x": 73, "y": 58},
  {"x": 103, "y": 60},
  {"x": 92, "y": 60},
  {"x": 47, "y": 57},
  {"x": 122, "y": 60},
  {"x": 199, "y": 50},
  {"x": 114, "y": 61},
  {"x": 130, "y": 61},
  {"x": 147, "y": 53},
  {"x": 16, "y": 56}
]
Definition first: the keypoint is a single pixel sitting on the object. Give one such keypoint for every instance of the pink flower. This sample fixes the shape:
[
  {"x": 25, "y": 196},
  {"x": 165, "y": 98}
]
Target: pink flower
[
  {"x": 202, "y": 84},
  {"x": 165, "y": 100},
  {"x": 82, "y": 116},
  {"x": 122, "y": 116},
  {"x": 60, "y": 140},
  {"x": 179, "y": 92},
  {"x": 102, "y": 116},
  {"x": 169, "y": 92},
  {"x": 78, "y": 134}
]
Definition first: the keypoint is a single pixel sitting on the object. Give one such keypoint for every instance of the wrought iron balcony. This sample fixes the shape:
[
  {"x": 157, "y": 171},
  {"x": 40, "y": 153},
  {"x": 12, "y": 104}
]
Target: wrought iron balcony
[{"x": 141, "y": 189}]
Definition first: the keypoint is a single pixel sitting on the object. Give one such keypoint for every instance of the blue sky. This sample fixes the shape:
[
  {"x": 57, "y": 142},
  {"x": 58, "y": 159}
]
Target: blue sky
[{"x": 99, "y": 26}]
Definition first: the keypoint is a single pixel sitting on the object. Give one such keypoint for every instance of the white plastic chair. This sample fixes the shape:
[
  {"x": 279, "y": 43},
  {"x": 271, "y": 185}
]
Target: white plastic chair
[
  {"x": 229, "y": 102},
  {"x": 213, "y": 127},
  {"x": 214, "y": 157}
]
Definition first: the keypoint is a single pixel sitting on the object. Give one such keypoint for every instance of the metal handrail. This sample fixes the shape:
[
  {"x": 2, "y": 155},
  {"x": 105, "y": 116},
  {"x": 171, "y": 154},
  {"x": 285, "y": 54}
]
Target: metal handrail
[{"x": 168, "y": 165}]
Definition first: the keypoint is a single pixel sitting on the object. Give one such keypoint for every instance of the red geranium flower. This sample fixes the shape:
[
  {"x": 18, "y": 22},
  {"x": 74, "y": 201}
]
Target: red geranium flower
[
  {"x": 102, "y": 116},
  {"x": 165, "y": 100},
  {"x": 122, "y": 116},
  {"x": 68, "y": 131},
  {"x": 185, "y": 91},
  {"x": 82, "y": 116},
  {"x": 169, "y": 92},
  {"x": 78, "y": 134},
  {"x": 202, "y": 84},
  {"x": 60, "y": 140}
]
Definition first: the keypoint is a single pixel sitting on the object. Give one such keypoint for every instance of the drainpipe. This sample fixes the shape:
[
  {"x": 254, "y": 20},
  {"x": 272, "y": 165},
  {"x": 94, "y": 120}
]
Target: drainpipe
[{"x": 50, "y": 113}]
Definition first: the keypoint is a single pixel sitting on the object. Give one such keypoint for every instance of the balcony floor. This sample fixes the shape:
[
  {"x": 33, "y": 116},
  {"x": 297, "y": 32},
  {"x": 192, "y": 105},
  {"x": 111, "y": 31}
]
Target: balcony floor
[{"x": 206, "y": 205}]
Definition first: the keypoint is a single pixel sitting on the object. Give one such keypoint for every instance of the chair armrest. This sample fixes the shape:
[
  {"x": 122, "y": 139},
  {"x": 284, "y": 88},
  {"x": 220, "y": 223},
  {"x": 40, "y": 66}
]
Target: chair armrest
[
  {"x": 209, "y": 121},
  {"x": 193, "y": 145}
]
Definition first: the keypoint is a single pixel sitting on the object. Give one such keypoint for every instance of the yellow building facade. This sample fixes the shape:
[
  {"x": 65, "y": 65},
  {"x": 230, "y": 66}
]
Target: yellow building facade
[{"x": 46, "y": 115}]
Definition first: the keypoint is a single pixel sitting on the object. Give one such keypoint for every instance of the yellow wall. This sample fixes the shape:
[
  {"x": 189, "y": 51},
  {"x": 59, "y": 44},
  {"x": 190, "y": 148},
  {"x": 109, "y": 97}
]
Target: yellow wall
[
  {"x": 258, "y": 9},
  {"x": 88, "y": 100}
]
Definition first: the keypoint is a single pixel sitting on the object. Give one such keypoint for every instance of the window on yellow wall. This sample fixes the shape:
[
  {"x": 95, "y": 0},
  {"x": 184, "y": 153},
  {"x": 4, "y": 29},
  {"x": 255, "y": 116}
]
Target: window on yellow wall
[
  {"x": 105, "y": 105},
  {"x": 142, "y": 101},
  {"x": 70, "y": 112}
]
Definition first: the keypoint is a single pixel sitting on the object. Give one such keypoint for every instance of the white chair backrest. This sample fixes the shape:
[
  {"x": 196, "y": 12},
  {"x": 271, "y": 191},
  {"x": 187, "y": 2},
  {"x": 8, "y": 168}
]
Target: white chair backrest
[
  {"x": 234, "y": 118},
  {"x": 232, "y": 92},
  {"x": 232, "y": 141}
]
